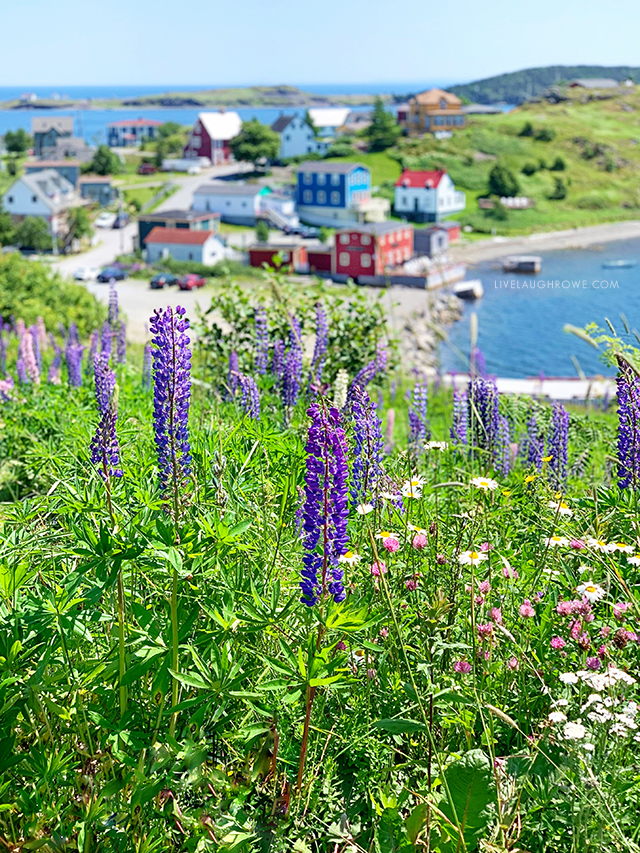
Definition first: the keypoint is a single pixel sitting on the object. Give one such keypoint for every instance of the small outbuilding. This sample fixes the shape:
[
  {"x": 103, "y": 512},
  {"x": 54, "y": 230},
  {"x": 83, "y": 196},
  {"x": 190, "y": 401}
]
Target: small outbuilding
[{"x": 203, "y": 247}]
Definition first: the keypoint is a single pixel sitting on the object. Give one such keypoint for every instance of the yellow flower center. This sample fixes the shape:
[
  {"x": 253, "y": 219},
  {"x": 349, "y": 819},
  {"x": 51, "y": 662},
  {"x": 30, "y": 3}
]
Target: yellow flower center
[
  {"x": 563, "y": 505},
  {"x": 590, "y": 588},
  {"x": 473, "y": 555},
  {"x": 348, "y": 555},
  {"x": 530, "y": 478}
]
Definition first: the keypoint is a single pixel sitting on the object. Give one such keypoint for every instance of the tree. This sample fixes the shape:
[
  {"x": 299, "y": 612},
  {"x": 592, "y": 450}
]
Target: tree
[
  {"x": 309, "y": 121},
  {"x": 255, "y": 142},
  {"x": 527, "y": 129},
  {"x": 17, "y": 141},
  {"x": 7, "y": 231},
  {"x": 105, "y": 162},
  {"x": 33, "y": 233},
  {"x": 529, "y": 169},
  {"x": 558, "y": 165},
  {"x": 383, "y": 131},
  {"x": 559, "y": 191},
  {"x": 262, "y": 231},
  {"x": 502, "y": 182},
  {"x": 79, "y": 225},
  {"x": 169, "y": 128},
  {"x": 545, "y": 134}
]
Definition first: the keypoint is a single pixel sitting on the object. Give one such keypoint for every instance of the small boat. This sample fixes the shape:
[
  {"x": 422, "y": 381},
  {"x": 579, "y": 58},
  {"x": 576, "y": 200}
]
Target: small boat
[
  {"x": 622, "y": 264},
  {"x": 522, "y": 263},
  {"x": 469, "y": 289}
]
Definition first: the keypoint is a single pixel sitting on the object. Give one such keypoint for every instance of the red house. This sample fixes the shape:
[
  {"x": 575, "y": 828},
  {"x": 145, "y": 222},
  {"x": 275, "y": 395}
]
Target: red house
[
  {"x": 292, "y": 256},
  {"x": 372, "y": 249},
  {"x": 320, "y": 258},
  {"x": 211, "y": 135}
]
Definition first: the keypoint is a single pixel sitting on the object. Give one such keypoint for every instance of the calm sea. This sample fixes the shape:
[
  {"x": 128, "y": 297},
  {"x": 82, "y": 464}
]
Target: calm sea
[{"x": 520, "y": 317}]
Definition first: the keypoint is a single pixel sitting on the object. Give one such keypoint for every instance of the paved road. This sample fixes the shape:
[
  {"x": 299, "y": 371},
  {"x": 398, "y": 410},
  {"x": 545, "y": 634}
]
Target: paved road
[
  {"x": 182, "y": 199},
  {"x": 113, "y": 242}
]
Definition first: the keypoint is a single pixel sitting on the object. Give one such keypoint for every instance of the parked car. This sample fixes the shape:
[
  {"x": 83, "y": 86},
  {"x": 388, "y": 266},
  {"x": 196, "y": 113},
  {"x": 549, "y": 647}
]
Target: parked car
[
  {"x": 191, "y": 281},
  {"x": 147, "y": 169},
  {"x": 109, "y": 273},
  {"x": 86, "y": 273},
  {"x": 303, "y": 231},
  {"x": 105, "y": 220},
  {"x": 121, "y": 220},
  {"x": 163, "y": 279}
]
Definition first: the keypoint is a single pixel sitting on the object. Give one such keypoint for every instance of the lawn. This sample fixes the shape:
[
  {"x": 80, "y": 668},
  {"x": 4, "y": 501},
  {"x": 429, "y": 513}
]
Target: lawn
[{"x": 380, "y": 164}]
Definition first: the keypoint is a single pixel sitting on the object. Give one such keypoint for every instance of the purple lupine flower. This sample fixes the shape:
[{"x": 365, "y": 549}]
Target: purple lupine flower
[
  {"x": 261, "y": 360},
  {"x": 62, "y": 331},
  {"x": 121, "y": 343},
  {"x": 106, "y": 334},
  {"x": 53, "y": 376},
  {"x": 105, "y": 452},
  {"x": 292, "y": 373},
  {"x": 366, "y": 471},
  {"x": 277, "y": 360},
  {"x": 33, "y": 331},
  {"x": 146, "y": 367},
  {"x": 20, "y": 327},
  {"x": 6, "y": 389},
  {"x": 29, "y": 357},
  {"x": 325, "y": 510},
  {"x": 533, "y": 445},
  {"x": 3, "y": 353},
  {"x": 393, "y": 389},
  {"x": 113, "y": 304},
  {"x": 320, "y": 348},
  {"x": 21, "y": 370},
  {"x": 233, "y": 375},
  {"x": 477, "y": 359},
  {"x": 557, "y": 446},
  {"x": 374, "y": 368},
  {"x": 628, "y": 388},
  {"x": 94, "y": 342},
  {"x": 418, "y": 424},
  {"x": 73, "y": 333},
  {"x": 483, "y": 424},
  {"x": 73, "y": 355},
  {"x": 171, "y": 399},
  {"x": 250, "y": 396},
  {"x": 42, "y": 333},
  {"x": 458, "y": 431},
  {"x": 502, "y": 455}
]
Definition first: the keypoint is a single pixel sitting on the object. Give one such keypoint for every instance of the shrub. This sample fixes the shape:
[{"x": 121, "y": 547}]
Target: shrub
[
  {"x": 545, "y": 134},
  {"x": 340, "y": 149},
  {"x": 594, "y": 201},
  {"x": 529, "y": 169},
  {"x": 527, "y": 129},
  {"x": 33, "y": 233},
  {"x": 559, "y": 191},
  {"x": 262, "y": 231},
  {"x": 558, "y": 165},
  {"x": 502, "y": 182}
]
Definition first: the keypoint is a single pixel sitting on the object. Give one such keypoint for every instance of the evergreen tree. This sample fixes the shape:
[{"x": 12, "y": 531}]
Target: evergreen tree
[
  {"x": 502, "y": 181},
  {"x": 255, "y": 143},
  {"x": 383, "y": 131},
  {"x": 17, "y": 141},
  {"x": 105, "y": 162}
]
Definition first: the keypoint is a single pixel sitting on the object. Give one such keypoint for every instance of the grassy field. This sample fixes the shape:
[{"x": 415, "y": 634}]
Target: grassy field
[{"x": 380, "y": 164}]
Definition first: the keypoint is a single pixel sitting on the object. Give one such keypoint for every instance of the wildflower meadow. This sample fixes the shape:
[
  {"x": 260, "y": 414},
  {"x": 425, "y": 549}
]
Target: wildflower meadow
[{"x": 262, "y": 589}]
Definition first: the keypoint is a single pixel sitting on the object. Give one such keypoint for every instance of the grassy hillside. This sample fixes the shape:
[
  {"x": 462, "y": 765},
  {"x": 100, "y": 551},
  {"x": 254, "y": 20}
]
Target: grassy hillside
[
  {"x": 516, "y": 87},
  {"x": 598, "y": 140}
]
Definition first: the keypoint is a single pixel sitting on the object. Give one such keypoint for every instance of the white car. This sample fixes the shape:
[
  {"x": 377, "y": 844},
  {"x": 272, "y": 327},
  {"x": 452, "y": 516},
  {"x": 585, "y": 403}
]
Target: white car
[
  {"x": 86, "y": 273},
  {"x": 105, "y": 220}
]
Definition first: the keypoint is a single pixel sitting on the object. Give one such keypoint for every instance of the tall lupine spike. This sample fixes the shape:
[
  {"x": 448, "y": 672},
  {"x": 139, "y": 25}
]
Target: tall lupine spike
[
  {"x": 21, "y": 370},
  {"x": 533, "y": 445},
  {"x": 29, "y": 358},
  {"x": 482, "y": 396},
  {"x": 94, "y": 343},
  {"x": 53, "y": 376},
  {"x": 418, "y": 422},
  {"x": 121, "y": 343},
  {"x": 320, "y": 348},
  {"x": 6, "y": 389},
  {"x": 146, "y": 367},
  {"x": 73, "y": 355},
  {"x": 366, "y": 471},
  {"x": 557, "y": 446},
  {"x": 325, "y": 510},
  {"x": 277, "y": 360},
  {"x": 42, "y": 333},
  {"x": 502, "y": 457},
  {"x": 33, "y": 331},
  {"x": 233, "y": 375},
  {"x": 292, "y": 373},
  {"x": 261, "y": 359},
  {"x": 628, "y": 388},
  {"x": 106, "y": 336},
  {"x": 113, "y": 304},
  {"x": 20, "y": 328},
  {"x": 250, "y": 397},
  {"x": 374, "y": 368},
  {"x": 105, "y": 451},
  {"x": 458, "y": 431},
  {"x": 172, "y": 397},
  {"x": 478, "y": 363},
  {"x": 73, "y": 333},
  {"x": 3, "y": 353},
  {"x": 340, "y": 389}
]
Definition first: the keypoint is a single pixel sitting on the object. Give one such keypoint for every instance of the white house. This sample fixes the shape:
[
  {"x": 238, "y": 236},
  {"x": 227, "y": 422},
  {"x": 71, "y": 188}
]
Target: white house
[
  {"x": 427, "y": 196},
  {"x": 240, "y": 204},
  {"x": 327, "y": 120},
  {"x": 46, "y": 194},
  {"x": 296, "y": 137},
  {"x": 182, "y": 244}
]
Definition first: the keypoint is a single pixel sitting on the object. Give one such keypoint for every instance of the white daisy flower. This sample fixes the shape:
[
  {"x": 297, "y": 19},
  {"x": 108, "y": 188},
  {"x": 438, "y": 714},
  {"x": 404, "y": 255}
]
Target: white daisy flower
[
  {"x": 419, "y": 530},
  {"x": 390, "y": 496},
  {"x": 556, "y": 542},
  {"x": 471, "y": 558},
  {"x": 568, "y": 678},
  {"x": 387, "y": 534},
  {"x": 437, "y": 445},
  {"x": 561, "y": 507},
  {"x": 413, "y": 488},
  {"x": 357, "y": 656},
  {"x": 622, "y": 547},
  {"x": 364, "y": 509},
  {"x": 574, "y": 731},
  {"x": 591, "y": 591},
  {"x": 589, "y": 747},
  {"x": 484, "y": 483},
  {"x": 557, "y": 717},
  {"x": 350, "y": 558},
  {"x": 598, "y": 544},
  {"x": 635, "y": 560}
]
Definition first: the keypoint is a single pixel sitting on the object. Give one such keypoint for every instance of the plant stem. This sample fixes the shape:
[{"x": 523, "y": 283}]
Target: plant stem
[
  {"x": 174, "y": 650},
  {"x": 121, "y": 643},
  {"x": 311, "y": 692}
]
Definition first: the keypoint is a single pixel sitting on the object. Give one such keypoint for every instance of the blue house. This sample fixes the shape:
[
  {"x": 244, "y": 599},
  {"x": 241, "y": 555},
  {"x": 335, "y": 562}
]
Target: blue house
[
  {"x": 69, "y": 169},
  {"x": 329, "y": 193}
]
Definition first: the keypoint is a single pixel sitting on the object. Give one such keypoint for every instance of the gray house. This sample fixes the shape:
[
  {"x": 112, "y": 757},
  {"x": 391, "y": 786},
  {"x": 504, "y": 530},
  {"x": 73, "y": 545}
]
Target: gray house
[{"x": 47, "y": 130}]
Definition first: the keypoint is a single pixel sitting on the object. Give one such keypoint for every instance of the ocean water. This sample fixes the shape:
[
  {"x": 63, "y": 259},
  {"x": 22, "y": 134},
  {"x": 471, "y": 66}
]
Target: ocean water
[{"x": 520, "y": 317}]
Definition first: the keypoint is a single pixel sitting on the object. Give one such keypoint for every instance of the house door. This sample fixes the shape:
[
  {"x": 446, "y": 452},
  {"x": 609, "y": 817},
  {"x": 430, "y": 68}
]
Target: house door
[{"x": 415, "y": 205}]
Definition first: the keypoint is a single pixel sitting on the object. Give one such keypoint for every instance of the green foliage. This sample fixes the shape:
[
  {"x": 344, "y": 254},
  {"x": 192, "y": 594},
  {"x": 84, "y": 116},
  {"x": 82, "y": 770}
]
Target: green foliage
[
  {"x": 12, "y": 167},
  {"x": 527, "y": 129},
  {"x": 502, "y": 181},
  {"x": 7, "y": 231},
  {"x": 340, "y": 149},
  {"x": 33, "y": 233},
  {"x": 17, "y": 141},
  {"x": 255, "y": 143},
  {"x": 169, "y": 128},
  {"x": 472, "y": 788},
  {"x": 262, "y": 231},
  {"x": 384, "y": 130},
  {"x": 29, "y": 290},
  {"x": 105, "y": 162},
  {"x": 324, "y": 235},
  {"x": 558, "y": 165},
  {"x": 78, "y": 224},
  {"x": 545, "y": 134},
  {"x": 560, "y": 190},
  {"x": 309, "y": 121},
  {"x": 529, "y": 169}
]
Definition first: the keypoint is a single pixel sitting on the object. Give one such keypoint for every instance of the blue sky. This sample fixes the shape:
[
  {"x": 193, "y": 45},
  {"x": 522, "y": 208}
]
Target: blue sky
[{"x": 218, "y": 42}]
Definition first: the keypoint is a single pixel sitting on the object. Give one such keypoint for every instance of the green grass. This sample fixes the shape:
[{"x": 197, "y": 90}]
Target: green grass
[{"x": 380, "y": 164}]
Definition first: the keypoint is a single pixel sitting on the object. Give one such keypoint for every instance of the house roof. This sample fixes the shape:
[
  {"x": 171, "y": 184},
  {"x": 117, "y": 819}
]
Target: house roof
[
  {"x": 178, "y": 236},
  {"x": 221, "y": 125},
  {"x": 51, "y": 188},
  {"x": 63, "y": 124},
  {"x": 376, "y": 228},
  {"x": 329, "y": 116},
  {"x": 281, "y": 122},
  {"x": 420, "y": 180},
  {"x": 220, "y": 188},
  {"x": 434, "y": 96},
  {"x": 135, "y": 122},
  {"x": 95, "y": 179},
  {"x": 324, "y": 166},
  {"x": 188, "y": 215},
  {"x": 39, "y": 165},
  {"x": 595, "y": 83}
]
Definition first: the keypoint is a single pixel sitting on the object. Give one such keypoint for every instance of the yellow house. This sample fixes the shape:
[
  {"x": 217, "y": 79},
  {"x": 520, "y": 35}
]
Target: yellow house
[{"x": 435, "y": 111}]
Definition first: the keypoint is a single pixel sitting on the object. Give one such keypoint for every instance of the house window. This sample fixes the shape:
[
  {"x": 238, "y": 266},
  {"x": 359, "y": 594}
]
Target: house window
[
  {"x": 335, "y": 197},
  {"x": 365, "y": 260},
  {"x": 228, "y": 204},
  {"x": 344, "y": 239},
  {"x": 307, "y": 178},
  {"x": 335, "y": 180},
  {"x": 307, "y": 196},
  {"x": 443, "y": 104},
  {"x": 244, "y": 203},
  {"x": 344, "y": 259},
  {"x": 34, "y": 198},
  {"x": 322, "y": 197},
  {"x": 190, "y": 256},
  {"x": 10, "y": 199},
  {"x": 287, "y": 137},
  {"x": 365, "y": 239},
  {"x": 322, "y": 180}
]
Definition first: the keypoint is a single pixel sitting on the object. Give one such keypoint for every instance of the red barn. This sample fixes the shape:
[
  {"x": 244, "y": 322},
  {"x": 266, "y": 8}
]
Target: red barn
[
  {"x": 372, "y": 249},
  {"x": 211, "y": 135},
  {"x": 320, "y": 258},
  {"x": 293, "y": 256}
]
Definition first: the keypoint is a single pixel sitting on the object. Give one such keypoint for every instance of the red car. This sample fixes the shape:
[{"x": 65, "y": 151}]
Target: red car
[
  {"x": 191, "y": 281},
  {"x": 146, "y": 169}
]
